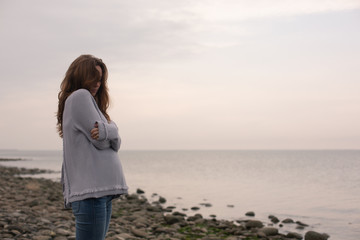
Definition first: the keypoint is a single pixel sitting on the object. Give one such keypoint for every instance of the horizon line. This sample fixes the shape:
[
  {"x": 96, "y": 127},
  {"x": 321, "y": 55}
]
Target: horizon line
[{"x": 239, "y": 149}]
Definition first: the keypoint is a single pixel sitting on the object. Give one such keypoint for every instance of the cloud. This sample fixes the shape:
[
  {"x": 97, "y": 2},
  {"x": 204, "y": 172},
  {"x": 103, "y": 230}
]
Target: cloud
[{"x": 233, "y": 10}]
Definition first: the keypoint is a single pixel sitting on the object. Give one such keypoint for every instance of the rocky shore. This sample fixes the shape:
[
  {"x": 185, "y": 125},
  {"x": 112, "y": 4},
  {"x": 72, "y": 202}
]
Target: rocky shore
[{"x": 33, "y": 209}]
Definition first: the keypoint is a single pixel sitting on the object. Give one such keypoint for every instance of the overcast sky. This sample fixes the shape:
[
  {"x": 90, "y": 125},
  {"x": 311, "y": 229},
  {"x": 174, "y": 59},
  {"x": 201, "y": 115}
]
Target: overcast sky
[{"x": 204, "y": 74}]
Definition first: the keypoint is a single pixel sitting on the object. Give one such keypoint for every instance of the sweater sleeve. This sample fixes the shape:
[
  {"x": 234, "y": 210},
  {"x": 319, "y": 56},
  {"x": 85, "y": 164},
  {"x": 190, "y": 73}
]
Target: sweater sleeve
[
  {"x": 109, "y": 131},
  {"x": 85, "y": 115}
]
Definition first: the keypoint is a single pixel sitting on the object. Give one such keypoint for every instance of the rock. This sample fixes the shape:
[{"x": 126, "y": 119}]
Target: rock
[
  {"x": 60, "y": 238},
  {"x": 195, "y": 217},
  {"x": 261, "y": 235},
  {"x": 53, "y": 198},
  {"x": 311, "y": 235},
  {"x": 288, "y": 220},
  {"x": 32, "y": 186},
  {"x": 269, "y": 231},
  {"x": 294, "y": 235},
  {"x": 15, "y": 227},
  {"x": 162, "y": 200},
  {"x": 254, "y": 224},
  {"x": 274, "y": 219},
  {"x": 124, "y": 236},
  {"x": 154, "y": 209},
  {"x": 179, "y": 214},
  {"x": 132, "y": 197},
  {"x": 195, "y": 208},
  {"x": 230, "y": 206},
  {"x": 33, "y": 203},
  {"x": 44, "y": 220},
  {"x": 139, "y": 233},
  {"x": 200, "y": 221},
  {"x": 62, "y": 232},
  {"x": 142, "y": 220},
  {"x": 171, "y": 219},
  {"x": 7, "y": 236},
  {"x": 20, "y": 198},
  {"x": 206, "y": 204},
  {"x": 164, "y": 230},
  {"x": 232, "y": 238},
  {"x": 139, "y": 191},
  {"x": 301, "y": 224},
  {"x": 41, "y": 238},
  {"x": 250, "y": 214},
  {"x": 15, "y": 232},
  {"x": 47, "y": 232},
  {"x": 199, "y": 229},
  {"x": 16, "y": 214}
]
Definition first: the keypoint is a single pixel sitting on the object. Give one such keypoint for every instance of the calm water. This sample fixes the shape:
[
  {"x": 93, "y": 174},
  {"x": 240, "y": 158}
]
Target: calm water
[{"x": 320, "y": 188}]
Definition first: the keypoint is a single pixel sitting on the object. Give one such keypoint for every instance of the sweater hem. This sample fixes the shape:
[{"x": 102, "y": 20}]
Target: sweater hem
[{"x": 94, "y": 194}]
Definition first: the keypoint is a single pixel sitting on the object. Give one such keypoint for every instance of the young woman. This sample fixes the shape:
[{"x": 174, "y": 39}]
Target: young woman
[{"x": 92, "y": 174}]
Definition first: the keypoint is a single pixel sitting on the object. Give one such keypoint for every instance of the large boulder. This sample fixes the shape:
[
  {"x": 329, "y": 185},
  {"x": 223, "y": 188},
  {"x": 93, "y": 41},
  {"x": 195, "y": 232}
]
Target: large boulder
[
  {"x": 254, "y": 224},
  {"x": 294, "y": 235},
  {"x": 311, "y": 235}
]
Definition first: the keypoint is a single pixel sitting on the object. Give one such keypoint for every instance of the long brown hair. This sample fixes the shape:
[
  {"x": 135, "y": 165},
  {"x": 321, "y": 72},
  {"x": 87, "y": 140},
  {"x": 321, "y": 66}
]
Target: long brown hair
[{"x": 82, "y": 73}]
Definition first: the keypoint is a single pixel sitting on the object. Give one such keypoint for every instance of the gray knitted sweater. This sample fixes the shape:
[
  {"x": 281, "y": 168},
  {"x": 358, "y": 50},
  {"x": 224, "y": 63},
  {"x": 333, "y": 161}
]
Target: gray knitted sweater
[{"x": 91, "y": 168}]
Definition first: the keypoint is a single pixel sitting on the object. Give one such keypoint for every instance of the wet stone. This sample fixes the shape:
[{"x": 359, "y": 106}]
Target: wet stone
[{"x": 250, "y": 214}]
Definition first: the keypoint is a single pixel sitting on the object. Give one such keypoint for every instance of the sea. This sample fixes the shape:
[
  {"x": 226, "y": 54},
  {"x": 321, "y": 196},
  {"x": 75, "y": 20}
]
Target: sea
[{"x": 320, "y": 188}]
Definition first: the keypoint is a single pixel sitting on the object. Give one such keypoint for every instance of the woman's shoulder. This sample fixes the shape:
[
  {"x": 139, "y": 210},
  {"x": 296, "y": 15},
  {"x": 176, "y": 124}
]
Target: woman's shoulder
[{"x": 80, "y": 93}]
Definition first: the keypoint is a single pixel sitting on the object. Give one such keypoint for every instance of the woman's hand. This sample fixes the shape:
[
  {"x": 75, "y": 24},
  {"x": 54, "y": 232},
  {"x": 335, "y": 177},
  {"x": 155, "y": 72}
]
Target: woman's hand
[{"x": 95, "y": 132}]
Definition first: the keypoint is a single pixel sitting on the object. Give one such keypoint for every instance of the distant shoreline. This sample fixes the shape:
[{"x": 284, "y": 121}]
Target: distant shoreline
[
  {"x": 189, "y": 150},
  {"x": 11, "y": 159}
]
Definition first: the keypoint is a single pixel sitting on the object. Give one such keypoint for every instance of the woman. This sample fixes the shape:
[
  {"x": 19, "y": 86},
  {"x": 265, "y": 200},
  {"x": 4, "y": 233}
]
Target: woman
[{"x": 91, "y": 172}]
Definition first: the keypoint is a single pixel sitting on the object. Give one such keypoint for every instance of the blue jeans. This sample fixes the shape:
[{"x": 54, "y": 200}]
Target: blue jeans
[{"x": 92, "y": 217}]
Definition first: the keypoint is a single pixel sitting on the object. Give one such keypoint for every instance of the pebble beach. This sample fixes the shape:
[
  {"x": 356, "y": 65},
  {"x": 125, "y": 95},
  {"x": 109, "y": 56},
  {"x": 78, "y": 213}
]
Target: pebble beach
[{"x": 32, "y": 208}]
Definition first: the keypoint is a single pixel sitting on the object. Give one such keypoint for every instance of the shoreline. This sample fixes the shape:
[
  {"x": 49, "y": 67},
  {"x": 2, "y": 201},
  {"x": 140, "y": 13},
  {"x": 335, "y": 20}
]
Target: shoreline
[{"x": 32, "y": 208}]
